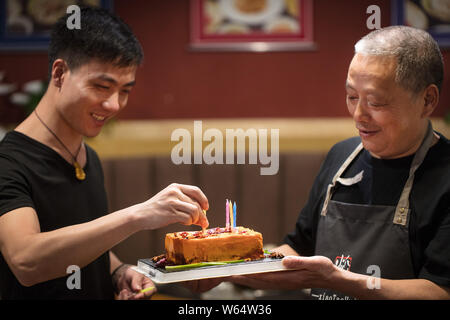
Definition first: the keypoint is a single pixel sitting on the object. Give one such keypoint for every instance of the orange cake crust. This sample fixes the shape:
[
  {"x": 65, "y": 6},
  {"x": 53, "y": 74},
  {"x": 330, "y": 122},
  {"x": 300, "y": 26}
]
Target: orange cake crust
[{"x": 218, "y": 244}]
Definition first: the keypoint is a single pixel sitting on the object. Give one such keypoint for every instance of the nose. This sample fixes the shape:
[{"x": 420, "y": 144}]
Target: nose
[
  {"x": 360, "y": 112},
  {"x": 112, "y": 104}
]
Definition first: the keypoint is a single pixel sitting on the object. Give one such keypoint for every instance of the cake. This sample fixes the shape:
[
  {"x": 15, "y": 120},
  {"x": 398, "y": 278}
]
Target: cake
[{"x": 217, "y": 244}]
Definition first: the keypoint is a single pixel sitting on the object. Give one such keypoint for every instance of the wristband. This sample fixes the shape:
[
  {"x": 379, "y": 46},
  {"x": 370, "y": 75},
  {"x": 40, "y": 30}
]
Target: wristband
[
  {"x": 114, "y": 277},
  {"x": 117, "y": 269}
]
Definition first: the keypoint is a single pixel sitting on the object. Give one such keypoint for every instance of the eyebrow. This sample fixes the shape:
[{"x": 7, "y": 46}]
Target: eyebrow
[
  {"x": 106, "y": 78},
  {"x": 347, "y": 85},
  {"x": 375, "y": 92}
]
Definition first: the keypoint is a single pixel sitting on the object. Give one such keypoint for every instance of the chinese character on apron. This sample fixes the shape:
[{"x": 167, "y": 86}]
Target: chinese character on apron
[{"x": 367, "y": 239}]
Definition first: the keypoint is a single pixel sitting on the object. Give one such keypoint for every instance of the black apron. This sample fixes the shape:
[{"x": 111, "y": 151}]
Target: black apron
[{"x": 367, "y": 239}]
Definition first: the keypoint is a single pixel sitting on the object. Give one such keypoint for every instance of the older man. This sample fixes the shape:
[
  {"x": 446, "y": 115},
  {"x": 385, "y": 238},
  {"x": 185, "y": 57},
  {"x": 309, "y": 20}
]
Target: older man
[{"x": 376, "y": 224}]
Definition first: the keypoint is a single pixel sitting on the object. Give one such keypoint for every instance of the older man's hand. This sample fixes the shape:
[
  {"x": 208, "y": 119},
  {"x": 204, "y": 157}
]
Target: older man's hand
[{"x": 307, "y": 272}]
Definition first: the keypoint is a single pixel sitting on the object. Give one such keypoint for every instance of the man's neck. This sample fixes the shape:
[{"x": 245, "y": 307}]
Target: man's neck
[
  {"x": 413, "y": 148},
  {"x": 35, "y": 126}
]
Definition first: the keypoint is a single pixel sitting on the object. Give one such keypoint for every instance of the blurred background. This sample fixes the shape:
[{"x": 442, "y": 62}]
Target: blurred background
[
  {"x": 298, "y": 90},
  {"x": 175, "y": 82}
]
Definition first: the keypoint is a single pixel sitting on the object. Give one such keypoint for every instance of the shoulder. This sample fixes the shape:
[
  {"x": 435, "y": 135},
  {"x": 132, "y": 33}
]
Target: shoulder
[
  {"x": 10, "y": 150},
  {"x": 10, "y": 142},
  {"x": 93, "y": 158},
  {"x": 439, "y": 154},
  {"x": 18, "y": 146},
  {"x": 341, "y": 150},
  {"x": 436, "y": 164},
  {"x": 22, "y": 154},
  {"x": 92, "y": 154},
  {"x": 347, "y": 145},
  {"x": 15, "y": 187},
  {"x": 443, "y": 145},
  {"x": 336, "y": 157},
  {"x": 9, "y": 166}
]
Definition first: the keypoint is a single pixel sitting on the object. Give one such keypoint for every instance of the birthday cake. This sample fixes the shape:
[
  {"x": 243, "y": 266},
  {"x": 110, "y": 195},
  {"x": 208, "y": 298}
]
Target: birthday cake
[{"x": 217, "y": 244}]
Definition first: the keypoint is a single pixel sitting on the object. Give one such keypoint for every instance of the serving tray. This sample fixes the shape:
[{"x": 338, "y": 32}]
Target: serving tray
[{"x": 161, "y": 275}]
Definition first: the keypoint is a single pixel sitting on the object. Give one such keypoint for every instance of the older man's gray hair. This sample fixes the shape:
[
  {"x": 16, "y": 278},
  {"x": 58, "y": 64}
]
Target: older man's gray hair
[{"x": 419, "y": 59}]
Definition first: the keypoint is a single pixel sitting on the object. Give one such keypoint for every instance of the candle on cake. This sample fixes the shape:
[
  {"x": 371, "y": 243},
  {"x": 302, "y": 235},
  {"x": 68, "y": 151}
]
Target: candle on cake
[
  {"x": 230, "y": 212},
  {"x": 234, "y": 214},
  {"x": 227, "y": 215}
]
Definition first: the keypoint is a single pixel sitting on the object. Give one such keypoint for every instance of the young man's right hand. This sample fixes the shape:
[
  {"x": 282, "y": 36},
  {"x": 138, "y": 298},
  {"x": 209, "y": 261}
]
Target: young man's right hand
[{"x": 177, "y": 203}]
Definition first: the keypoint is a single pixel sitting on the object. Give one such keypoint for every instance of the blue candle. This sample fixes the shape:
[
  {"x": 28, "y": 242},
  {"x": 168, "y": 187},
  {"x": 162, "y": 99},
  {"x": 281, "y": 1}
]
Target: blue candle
[{"x": 234, "y": 214}]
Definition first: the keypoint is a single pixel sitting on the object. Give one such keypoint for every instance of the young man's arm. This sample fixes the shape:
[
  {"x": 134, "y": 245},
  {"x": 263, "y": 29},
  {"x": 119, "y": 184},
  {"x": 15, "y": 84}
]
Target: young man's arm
[{"x": 36, "y": 256}]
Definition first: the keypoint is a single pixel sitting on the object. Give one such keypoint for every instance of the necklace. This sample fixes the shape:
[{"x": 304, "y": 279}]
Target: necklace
[{"x": 79, "y": 172}]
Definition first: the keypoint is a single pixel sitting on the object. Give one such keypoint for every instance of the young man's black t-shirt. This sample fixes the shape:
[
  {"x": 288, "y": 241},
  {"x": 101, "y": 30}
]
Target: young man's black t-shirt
[
  {"x": 34, "y": 175},
  {"x": 382, "y": 184}
]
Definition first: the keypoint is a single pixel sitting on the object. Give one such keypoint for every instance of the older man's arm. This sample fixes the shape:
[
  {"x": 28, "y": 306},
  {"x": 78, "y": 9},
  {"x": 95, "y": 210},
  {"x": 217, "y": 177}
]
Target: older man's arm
[{"x": 320, "y": 272}]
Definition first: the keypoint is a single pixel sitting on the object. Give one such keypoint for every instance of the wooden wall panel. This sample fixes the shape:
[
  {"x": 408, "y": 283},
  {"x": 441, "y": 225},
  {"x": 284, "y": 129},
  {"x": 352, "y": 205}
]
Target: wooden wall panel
[
  {"x": 300, "y": 171},
  {"x": 259, "y": 202},
  {"x": 133, "y": 184},
  {"x": 218, "y": 182},
  {"x": 166, "y": 173}
]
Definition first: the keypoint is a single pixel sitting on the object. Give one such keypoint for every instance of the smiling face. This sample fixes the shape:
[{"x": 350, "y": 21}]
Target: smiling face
[
  {"x": 390, "y": 120},
  {"x": 92, "y": 94}
]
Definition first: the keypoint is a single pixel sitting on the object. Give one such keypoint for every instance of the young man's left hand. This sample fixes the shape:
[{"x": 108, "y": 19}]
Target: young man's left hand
[{"x": 132, "y": 285}]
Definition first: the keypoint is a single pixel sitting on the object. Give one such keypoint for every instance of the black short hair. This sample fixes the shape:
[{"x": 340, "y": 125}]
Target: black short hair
[{"x": 102, "y": 36}]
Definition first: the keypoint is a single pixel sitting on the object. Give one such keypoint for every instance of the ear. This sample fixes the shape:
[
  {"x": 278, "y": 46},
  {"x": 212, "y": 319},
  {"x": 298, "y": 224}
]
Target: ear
[
  {"x": 430, "y": 100},
  {"x": 59, "y": 71}
]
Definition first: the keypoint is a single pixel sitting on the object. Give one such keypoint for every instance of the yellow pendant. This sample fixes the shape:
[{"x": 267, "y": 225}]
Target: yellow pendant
[{"x": 79, "y": 172}]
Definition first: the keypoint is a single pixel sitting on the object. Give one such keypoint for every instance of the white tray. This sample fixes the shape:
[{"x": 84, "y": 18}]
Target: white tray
[{"x": 160, "y": 275}]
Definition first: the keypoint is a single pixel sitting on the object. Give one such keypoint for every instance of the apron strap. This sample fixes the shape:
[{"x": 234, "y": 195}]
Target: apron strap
[
  {"x": 402, "y": 209},
  {"x": 337, "y": 176}
]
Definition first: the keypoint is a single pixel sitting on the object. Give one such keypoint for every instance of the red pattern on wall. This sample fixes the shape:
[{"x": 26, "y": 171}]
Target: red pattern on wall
[{"x": 175, "y": 82}]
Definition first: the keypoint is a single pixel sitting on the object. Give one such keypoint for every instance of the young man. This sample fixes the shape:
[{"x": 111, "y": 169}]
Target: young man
[
  {"x": 53, "y": 208},
  {"x": 376, "y": 224}
]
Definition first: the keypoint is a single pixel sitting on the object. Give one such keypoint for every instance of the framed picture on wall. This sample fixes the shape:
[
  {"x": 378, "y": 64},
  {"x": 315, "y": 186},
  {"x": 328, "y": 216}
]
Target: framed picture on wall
[
  {"x": 25, "y": 24},
  {"x": 430, "y": 15},
  {"x": 251, "y": 25}
]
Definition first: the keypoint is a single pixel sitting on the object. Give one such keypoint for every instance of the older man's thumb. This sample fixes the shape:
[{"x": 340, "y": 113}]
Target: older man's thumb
[{"x": 293, "y": 262}]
